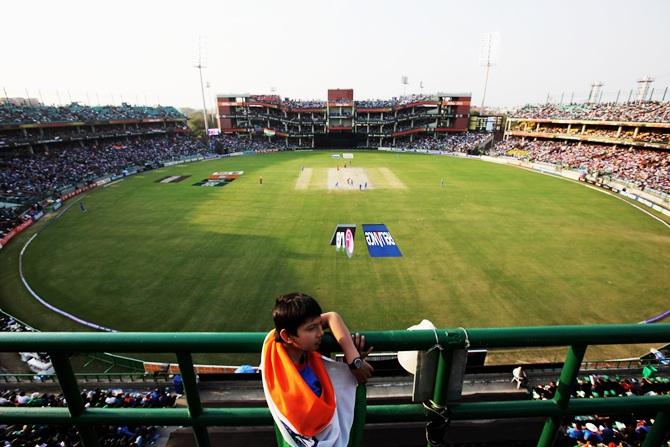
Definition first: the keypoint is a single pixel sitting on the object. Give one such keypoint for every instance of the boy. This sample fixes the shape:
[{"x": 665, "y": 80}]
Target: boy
[{"x": 311, "y": 397}]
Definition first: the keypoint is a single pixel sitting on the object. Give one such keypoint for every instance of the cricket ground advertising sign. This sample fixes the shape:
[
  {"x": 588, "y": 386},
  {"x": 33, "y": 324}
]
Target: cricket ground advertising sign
[
  {"x": 343, "y": 238},
  {"x": 380, "y": 242}
]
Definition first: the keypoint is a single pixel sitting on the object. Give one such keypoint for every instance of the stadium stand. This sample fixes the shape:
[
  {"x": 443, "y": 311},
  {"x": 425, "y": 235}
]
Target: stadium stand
[
  {"x": 642, "y": 111},
  {"x": 26, "y": 114},
  {"x": 628, "y": 142},
  {"x": 69, "y": 164},
  {"x": 464, "y": 143},
  {"x": 624, "y": 430},
  {"x": 55, "y": 435},
  {"x": 341, "y": 121},
  {"x": 646, "y": 168}
]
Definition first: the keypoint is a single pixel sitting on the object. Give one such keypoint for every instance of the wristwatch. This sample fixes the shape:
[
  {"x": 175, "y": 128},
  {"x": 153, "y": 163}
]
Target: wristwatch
[{"x": 356, "y": 363}]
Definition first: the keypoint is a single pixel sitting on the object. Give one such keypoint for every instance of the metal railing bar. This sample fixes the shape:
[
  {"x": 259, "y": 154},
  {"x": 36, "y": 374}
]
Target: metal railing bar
[
  {"x": 247, "y": 342},
  {"x": 247, "y": 416}
]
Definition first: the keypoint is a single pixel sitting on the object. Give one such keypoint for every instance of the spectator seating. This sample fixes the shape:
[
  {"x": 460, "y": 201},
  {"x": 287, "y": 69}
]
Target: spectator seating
[
  {"x": 26, "y": 114},
  {"x": 464, "y": 142},
  {"x": 54, "y": 435},
  {"x": 646, "y": 168},
  {"x": 639, "y": 111},
  {"x": 596, "y": 430}
]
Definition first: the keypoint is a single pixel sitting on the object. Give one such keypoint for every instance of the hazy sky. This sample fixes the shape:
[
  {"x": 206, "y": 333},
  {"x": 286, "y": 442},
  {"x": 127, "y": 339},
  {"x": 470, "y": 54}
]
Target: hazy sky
[{"x": 145, "y": 49}]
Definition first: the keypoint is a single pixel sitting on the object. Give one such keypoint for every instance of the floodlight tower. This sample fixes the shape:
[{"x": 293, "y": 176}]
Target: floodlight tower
[
  {"x": 594, "y": 93},
  {"x": 488, "y": 58},
  {"x": 404, "y": 80},
  {"x": 202, "y": 89},
  {"x": 643, "y": 87}
]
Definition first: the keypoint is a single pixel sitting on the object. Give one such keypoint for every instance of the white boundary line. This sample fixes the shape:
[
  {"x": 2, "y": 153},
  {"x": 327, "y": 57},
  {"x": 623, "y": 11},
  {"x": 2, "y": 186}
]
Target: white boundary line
[
  {"x": 44, "y": 302},
  {"x": 611, "y": 194}
]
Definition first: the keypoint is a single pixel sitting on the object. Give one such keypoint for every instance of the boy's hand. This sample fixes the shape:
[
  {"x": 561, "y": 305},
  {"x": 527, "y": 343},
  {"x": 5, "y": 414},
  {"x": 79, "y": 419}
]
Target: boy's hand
[
  {"x": 359, "y": 343},
  {"x": 363, "y": 373}
]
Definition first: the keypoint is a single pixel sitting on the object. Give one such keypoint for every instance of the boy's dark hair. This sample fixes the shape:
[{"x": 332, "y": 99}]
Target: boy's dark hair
[{"x": 293, "y": 309}]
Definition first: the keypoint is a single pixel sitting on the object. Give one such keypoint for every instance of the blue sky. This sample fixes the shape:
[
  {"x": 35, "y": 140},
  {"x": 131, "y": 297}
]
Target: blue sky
[{"x": 145, "y": 51}]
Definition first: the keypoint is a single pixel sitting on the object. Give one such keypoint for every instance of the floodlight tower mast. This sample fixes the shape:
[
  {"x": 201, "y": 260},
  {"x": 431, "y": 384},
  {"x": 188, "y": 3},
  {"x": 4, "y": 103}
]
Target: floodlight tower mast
[
  {"x": 595, "y": 92},
  {"x": 488, "y": 59},
  {"x": 404, "y": 80},
  {"x": 643, "y": 87},
  {"x": 202, "y": 89}
]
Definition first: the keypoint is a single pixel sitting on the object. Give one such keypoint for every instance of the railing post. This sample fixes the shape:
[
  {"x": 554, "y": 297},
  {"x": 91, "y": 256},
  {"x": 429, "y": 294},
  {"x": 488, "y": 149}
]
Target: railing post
[
  {"x": 436, "y": 424},
  {"x": 68, "y": 383},
  {"x": 442, "y": 377},
  {"x": 655, "y": 436},
  {"x": 192, "y": 397},
  {"x": 360, "y": 414},
  {"x": 573, "y": 360}
]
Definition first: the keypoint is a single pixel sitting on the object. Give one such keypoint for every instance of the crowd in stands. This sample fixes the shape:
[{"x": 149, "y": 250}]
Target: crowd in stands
[
  {"x": 304, "y": 104},
  {"x": 40, "y": 174},
  {"x": 367, "y": 103},
  {"x": 598, "y": 430},
  {"x": 650, "y": 136},
  {"x": 393, "y": 102},
  {"x": 605, "y": 431},
  {"x": 24, "y": 114},
  {"x": 465, "y": 142},
  {"x": 268, "y": 99},
  {"x": 55, "y": 435},
  {"x": 640, "y": 111},
  {"x": 234, "y": 143},
  {"x": 605, "y": 386},
  {"x": 646, "y": 168}
]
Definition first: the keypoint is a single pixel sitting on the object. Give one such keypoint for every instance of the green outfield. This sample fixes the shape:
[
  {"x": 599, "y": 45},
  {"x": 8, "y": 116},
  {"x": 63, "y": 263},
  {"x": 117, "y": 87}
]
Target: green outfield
[{"x": 493, "y": 246}]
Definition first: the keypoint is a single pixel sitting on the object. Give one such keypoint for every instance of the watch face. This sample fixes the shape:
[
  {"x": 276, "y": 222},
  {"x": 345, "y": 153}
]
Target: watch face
[{"x": 358, "y": 363}]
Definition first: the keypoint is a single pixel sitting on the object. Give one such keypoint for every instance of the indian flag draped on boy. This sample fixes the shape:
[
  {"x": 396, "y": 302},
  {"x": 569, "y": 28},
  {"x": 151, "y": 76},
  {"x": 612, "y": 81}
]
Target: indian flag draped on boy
[{"x": 303, "y": 418}]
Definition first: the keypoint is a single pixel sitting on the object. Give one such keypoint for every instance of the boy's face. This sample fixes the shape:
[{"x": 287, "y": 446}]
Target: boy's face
[{"x": 309, "y": 335}]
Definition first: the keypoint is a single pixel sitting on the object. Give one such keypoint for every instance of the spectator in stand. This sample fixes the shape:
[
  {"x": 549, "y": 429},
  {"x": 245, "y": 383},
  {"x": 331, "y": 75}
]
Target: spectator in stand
[
  {"x": 54, "y": 435},
  {"x": 465, "y": 142},
  {"x": 639, "y": 111},
  {"x": 42, "y": 174},
  {"x": 646, "y": 168},
  {"x": 626, "y": 430},
  {"x": 304, "y": 104},
  {"x": 393, "y": 102},
  {"x": 23, "y": 114},
  {"x": 235, "y": 143}
]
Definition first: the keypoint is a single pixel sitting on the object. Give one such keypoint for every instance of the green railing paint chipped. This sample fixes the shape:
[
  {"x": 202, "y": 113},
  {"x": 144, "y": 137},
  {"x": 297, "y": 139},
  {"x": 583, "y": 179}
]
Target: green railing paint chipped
[{"x": 577, "y": 338}]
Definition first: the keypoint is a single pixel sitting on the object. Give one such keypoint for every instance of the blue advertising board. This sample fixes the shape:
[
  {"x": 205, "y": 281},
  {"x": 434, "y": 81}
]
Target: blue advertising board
[{"x": 380, "y": 242}]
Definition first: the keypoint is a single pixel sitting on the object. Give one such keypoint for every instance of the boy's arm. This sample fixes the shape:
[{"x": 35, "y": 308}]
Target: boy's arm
[{"x": 341, "y": 333}]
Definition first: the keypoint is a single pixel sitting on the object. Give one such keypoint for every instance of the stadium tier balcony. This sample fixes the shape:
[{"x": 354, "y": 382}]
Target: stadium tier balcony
[
  {"x": 272, "y": 117},
  {"x": 12, "y": 114},
  {"x": 638, "y": 112},
  {"x": 627, "y": 142}
]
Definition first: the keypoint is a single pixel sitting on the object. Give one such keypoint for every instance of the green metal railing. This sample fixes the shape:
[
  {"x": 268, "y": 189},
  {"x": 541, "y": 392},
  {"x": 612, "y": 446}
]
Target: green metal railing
[{"x": 576, "y": 338}]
